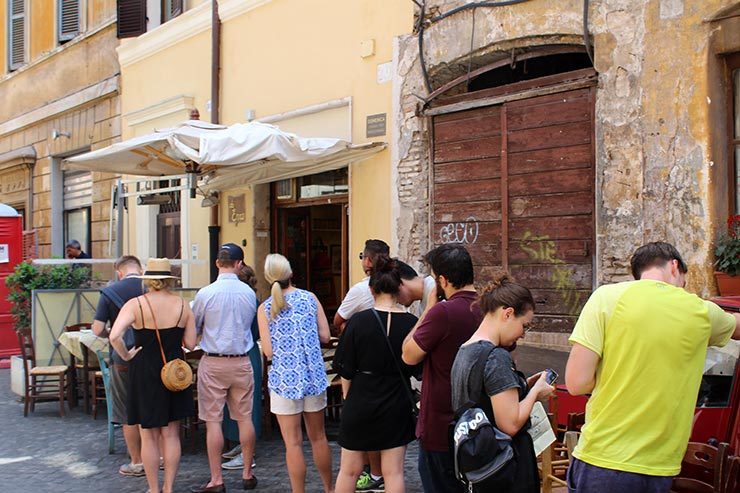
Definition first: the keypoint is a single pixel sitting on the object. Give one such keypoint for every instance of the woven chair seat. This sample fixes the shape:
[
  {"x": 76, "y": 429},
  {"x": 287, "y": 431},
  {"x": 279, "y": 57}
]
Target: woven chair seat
[{"x": 48, "y": 370}]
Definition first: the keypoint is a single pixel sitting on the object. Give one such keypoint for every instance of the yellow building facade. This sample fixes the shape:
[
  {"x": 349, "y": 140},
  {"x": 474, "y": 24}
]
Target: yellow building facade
[
  {"x": 59, "y": 96},
  {"x": 318, "y": 69}
]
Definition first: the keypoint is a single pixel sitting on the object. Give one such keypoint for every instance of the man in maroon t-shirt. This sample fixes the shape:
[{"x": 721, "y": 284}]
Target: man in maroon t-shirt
[{"x": 440, "y": 332}]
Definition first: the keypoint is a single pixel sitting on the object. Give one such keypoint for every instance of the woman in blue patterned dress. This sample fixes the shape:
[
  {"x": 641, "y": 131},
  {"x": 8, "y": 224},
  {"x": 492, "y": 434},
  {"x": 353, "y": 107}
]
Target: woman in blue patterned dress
[{"x": 292, "y": 325}]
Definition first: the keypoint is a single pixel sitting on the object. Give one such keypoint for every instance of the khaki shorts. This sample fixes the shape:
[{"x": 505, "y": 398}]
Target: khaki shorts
[
  {"x": 119, "y": 394},
  {"x": 309, "y": 404},
  {"x": 221, "y": 381}
]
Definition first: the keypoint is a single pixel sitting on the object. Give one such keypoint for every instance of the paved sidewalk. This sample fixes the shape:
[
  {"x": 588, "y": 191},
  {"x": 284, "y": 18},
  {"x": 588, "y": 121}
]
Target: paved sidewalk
[{"x": 44, "y": 453}]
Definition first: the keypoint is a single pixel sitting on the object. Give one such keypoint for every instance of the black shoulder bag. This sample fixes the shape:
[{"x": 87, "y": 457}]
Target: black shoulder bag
[
  {"x": 482, "y": 453},
  {"x": 404, "y": 381}
]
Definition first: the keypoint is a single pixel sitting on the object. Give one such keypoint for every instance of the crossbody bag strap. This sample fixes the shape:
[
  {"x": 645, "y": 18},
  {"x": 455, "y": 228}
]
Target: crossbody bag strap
[
  {"x": 156, "y": 328},
  {"x": 479, "y": 362},
  {"x": 393, "y": 356}
]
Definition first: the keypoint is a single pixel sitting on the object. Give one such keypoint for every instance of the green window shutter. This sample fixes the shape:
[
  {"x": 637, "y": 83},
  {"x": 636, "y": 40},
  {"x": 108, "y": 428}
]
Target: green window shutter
[
  {"x": 16, "y": 33},
  {"x": 68, "y": 19},
  {"x": 131, "y": 18}
]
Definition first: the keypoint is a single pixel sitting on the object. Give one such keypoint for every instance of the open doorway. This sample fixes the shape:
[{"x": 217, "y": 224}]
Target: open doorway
[{"x": 313, "y": 239}]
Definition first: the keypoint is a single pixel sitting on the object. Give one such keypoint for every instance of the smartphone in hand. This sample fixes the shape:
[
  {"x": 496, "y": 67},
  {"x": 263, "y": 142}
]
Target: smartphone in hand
[{"x": 551, "y": 376}]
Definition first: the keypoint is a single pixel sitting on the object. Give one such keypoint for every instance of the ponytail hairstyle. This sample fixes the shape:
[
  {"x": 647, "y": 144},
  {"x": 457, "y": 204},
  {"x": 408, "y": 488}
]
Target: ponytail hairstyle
[
  {"x": 277, "y": 275},
  {"x": 385, "y": 278},
  {"x": 503, "y": 292}
]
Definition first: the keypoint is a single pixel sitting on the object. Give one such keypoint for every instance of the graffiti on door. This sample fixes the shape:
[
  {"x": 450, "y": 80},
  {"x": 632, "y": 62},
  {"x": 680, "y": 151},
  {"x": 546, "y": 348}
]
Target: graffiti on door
[
  {"x": 465, "y": 232},
  {"x": 542, "y": 249}
]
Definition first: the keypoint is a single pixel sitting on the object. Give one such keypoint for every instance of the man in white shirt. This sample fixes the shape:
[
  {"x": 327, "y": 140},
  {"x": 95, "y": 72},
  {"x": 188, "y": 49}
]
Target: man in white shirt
[
  {"x": 414, "y": 288},
  {"x": 359, "y": 297}
]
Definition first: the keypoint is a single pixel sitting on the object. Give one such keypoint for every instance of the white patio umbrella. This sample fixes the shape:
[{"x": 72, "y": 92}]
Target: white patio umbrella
[{"x": 226, "y": 156}]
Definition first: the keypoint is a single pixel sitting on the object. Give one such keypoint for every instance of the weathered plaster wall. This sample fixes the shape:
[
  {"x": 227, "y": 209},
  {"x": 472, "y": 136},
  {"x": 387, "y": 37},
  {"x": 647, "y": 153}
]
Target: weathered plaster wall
[
  {"x": 80, "y": 65},
  {"x": 655, "y": 118}
]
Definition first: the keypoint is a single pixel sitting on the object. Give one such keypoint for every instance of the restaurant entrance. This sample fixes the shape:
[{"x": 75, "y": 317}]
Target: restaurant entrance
[{"x": 312, "y": 233}]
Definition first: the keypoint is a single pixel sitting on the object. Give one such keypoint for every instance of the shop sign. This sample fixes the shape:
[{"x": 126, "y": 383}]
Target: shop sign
[
  {"x": 237, "y": 208},
  {"x": 375, "y": 125}
]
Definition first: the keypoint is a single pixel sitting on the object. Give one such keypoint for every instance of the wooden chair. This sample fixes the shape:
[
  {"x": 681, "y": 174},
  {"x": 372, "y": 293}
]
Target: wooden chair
[
  {"x": 191, "y": 425},
  {"x": 40, "y": 383},
  {"x": 554, "y": 463},
  {"x": 105, "y": 374},
  {"x": 708, "y": 462},
  {"x": 730, "y": 481},
  {"x": 571, "y": 440},
  {"x": 556, "y": 459},
  {"x": 334, "y": 399},
  {"x": 98, "y": 392},
  {"x": 576, "y": 421},
  {"x": 85, "y": 367}
]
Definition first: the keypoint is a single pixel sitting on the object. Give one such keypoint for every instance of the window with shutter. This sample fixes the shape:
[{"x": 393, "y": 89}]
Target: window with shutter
[
  {"x": 131, "y": 18},
  {"x": 16, "y": 33},
  {"x": 171, "y": 9},
  {"x": 68, "y": 19}
]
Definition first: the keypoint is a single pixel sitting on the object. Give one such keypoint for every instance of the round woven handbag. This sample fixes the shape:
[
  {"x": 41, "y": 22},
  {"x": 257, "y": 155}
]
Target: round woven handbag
[{"x": 176, "y": 375}]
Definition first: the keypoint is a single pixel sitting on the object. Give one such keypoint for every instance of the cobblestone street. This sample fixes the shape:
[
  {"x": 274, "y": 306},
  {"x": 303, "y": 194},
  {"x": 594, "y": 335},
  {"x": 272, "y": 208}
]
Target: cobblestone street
[{"x": 45, "y": 453}]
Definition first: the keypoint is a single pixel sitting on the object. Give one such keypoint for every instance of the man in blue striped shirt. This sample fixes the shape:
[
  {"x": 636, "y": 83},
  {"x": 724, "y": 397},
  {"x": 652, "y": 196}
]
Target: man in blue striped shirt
[{"x": 224, "y": 311}]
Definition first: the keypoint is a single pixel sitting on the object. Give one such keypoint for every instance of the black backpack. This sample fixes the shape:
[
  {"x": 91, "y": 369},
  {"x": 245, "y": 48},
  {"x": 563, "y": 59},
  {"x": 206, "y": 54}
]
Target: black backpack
[{"x": 483, "y": 454}]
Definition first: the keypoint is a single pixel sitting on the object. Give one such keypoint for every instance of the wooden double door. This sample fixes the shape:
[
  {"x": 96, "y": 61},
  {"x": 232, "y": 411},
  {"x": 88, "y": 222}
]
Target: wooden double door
[{"x": 514, "y": 183}]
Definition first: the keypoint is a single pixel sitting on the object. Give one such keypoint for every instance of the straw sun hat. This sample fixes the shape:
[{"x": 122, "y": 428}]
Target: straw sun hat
[{"x": 158, "y": 268}]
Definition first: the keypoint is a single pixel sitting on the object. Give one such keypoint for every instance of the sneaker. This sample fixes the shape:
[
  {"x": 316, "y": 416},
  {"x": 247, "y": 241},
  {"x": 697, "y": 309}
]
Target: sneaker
[
  {"x": 366, "y": 483},
  {"x": 236, "y": 463},
  {"x": 233, "y": 452},
  {"x": 132, "y": 470}
]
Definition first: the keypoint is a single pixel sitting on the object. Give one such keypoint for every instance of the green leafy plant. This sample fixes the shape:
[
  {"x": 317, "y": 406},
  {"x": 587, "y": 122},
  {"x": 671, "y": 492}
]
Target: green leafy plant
[
  {"x": 26, "y": 277},
  {"x": 727, "y": 249}
]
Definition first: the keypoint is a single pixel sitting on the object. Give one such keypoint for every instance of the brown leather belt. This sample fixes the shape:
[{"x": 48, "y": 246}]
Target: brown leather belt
[{"x": 120, "y": 367}]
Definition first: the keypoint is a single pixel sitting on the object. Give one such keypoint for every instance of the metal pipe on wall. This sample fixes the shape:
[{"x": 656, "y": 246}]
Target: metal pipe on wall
[
  {"x": 215, "y": 61},
  {"x": 214, "y": 229}
]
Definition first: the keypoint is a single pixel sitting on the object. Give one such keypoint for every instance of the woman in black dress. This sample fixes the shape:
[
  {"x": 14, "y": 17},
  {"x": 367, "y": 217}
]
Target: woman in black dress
[
  {"x": 377, "y": 413},
  {"x": 496, "y": 386},
  {"x": 150, "y": 405}
]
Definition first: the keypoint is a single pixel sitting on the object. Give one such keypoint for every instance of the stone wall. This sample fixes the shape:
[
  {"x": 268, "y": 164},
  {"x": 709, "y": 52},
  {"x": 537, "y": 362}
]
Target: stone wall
[{"x": 656, "y": 118}]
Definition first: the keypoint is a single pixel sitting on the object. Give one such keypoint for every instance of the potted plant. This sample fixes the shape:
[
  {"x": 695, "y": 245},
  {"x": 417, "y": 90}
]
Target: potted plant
[
  {"x": 727, "y": 252},
  {"x": 26, "y": 277}
]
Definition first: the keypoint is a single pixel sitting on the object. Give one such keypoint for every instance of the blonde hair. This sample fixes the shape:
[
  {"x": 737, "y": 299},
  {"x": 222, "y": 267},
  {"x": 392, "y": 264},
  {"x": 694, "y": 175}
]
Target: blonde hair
[
  {"x": 159, "y": 284},
  {"x": 277, "y": 275}
]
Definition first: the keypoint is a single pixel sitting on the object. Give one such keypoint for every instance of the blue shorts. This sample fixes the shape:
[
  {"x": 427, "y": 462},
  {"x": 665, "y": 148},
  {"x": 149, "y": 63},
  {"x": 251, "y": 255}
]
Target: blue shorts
[{"x": 585, "y": 478}]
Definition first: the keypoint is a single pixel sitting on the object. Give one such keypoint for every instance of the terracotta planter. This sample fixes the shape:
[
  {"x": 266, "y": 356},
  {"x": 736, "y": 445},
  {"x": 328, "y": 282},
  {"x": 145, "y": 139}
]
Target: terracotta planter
[{"x": 727, "y": 285}]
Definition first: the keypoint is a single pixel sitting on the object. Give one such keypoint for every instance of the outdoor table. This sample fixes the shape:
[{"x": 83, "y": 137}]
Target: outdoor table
[{"x": 74, "y": 342}]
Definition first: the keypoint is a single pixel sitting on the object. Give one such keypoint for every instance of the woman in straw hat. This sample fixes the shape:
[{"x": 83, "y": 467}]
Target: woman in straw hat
[
  {"x": 292, "y": 325},
  {"x": 157, "y": 315}
]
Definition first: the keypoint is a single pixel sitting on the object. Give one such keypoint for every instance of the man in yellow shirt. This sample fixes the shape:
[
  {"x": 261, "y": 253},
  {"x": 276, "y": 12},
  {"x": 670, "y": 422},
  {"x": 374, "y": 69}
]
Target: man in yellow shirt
[{"x": 639, "y": 349}]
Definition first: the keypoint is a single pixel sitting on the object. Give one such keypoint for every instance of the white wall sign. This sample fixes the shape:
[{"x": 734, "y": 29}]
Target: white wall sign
[{"x": 4, "y": 253}]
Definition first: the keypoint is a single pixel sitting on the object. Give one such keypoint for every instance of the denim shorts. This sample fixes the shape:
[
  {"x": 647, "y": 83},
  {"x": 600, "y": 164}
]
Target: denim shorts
[{"x": 585, "y": 478}]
